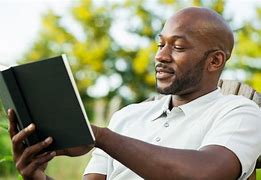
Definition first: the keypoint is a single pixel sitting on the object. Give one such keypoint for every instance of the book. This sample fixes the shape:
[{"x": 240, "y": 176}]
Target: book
[{"x": 45, "y": 93}]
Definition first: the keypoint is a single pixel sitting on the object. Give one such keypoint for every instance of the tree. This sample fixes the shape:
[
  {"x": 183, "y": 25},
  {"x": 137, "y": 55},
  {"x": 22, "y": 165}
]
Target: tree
[
  {"x": 247, "y": 53},
  {"x": 98, "y": 57}
]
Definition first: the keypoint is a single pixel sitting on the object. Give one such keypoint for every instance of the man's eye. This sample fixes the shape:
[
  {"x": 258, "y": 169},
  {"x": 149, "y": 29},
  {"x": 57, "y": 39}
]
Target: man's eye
[
  {"x": 179, "y": 48},
  {"x": 160, "y": 46}
]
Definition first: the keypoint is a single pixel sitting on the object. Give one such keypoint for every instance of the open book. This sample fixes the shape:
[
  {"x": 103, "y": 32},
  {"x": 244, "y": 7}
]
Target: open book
[{"x": 45, "y": 93}]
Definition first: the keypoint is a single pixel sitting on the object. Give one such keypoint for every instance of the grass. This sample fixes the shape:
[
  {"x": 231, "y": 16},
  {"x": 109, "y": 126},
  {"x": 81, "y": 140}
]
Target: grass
[
  {"x": 258, "y": 174},
  {"x": 67, "y": 168},
  {"x": 62, "y": 167}
]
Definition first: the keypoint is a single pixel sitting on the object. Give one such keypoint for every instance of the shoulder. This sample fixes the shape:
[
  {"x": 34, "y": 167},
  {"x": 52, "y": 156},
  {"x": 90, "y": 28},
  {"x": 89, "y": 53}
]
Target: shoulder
[
  {"x": 236, "y": 126},
  {"x": 237, "y": 100},
  {"x": 227, "y": 103},
  {"x": 236, "y": 112}
]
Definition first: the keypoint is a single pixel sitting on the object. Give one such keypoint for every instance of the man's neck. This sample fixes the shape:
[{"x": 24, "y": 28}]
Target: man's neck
[{"x": 178, "y": 100}]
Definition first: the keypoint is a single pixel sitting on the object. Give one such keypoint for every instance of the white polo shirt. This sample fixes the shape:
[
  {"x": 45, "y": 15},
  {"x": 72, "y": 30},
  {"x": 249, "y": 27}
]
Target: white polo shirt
[{"x": 213, "y": 119}]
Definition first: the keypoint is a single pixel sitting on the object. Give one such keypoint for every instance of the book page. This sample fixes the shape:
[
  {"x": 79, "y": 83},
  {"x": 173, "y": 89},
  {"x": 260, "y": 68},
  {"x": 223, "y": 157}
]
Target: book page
[
  {"x": 69, "y": 71},
  {"x": 3, "y": 67}
]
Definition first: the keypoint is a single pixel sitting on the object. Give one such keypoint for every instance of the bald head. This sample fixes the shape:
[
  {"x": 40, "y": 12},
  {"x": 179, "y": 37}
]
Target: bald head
[
  {"x": 194, "y": 45},
  {"x": 210, "y": 28}
]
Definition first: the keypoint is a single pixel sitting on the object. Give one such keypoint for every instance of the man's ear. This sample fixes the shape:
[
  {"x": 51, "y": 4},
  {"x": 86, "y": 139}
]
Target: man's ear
[{"x": 216, "y": 61}]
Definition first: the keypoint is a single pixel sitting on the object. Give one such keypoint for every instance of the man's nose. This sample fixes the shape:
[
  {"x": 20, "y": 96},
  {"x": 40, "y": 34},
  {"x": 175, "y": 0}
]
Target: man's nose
[{"x": 164, "y": 54}]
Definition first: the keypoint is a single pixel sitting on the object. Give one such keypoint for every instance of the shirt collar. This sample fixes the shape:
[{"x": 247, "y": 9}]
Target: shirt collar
[
  {"x": 200, "y": 102},
  {"x": 161, "y": 106}
]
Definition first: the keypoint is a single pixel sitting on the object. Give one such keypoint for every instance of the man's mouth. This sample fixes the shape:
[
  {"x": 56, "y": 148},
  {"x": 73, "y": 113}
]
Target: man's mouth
[
  {"x": 163, "y": 75},
  {"x": 163, "y": 72}
]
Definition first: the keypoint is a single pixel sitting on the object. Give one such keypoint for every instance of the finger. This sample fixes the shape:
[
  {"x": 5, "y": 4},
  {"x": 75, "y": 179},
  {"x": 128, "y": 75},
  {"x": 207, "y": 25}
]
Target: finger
[
  {"x": 41, "y": 155},
  {"x": 12, "y": 123},
  {"x": 44, "y": 166},
  {"x": 18, "y": 139},
  {"x": 32, "y": 151},
  {"x": 37, "y": 163}
]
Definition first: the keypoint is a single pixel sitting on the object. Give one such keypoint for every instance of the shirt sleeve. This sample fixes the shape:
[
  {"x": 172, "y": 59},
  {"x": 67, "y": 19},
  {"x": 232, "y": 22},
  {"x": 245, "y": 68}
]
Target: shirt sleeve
[
  {"x": 100, "y": 160},
  {"x": 239, "y": 130},
  {"x": 98, "y": 163}
]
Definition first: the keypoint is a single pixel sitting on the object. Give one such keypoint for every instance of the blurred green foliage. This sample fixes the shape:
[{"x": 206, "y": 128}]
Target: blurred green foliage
[
  {"x": 7, "y": 167},
  {"x": 96, "y": 51}
]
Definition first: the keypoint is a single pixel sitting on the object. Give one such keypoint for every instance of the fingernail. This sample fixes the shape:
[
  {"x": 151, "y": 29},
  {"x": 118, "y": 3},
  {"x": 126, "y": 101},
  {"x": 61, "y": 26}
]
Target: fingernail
[
  {"x": 48, "y": 140},
  {"x": 9, "y": 112},
  {"x": 30, "y": 127},
  {"x": 45, "y": 153},
  {"x": 53, "y": 153}
]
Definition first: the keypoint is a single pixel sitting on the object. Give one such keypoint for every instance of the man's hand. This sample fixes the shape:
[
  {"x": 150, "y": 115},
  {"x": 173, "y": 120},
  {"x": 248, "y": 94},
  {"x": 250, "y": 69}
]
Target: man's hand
[{"x": 29, "y": 163}]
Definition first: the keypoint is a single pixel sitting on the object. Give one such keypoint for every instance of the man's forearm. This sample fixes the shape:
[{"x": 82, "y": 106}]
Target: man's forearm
[{"x": 155, "y": 162}]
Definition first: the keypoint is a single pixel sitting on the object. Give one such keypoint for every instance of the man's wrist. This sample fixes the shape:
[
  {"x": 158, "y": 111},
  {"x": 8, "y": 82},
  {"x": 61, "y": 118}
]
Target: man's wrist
[{"x": 99, "y": 136}]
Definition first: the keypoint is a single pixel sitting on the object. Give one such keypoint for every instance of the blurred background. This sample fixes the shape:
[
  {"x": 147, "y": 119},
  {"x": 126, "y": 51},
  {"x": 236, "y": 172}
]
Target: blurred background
[{"x": 111, "y": 45}]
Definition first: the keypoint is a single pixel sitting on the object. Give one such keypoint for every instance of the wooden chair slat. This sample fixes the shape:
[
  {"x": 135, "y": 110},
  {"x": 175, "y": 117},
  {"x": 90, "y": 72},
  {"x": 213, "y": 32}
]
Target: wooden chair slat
[
  {"x": 246, "y": 91},
  {"x": 220, "y": 83},
  {"x": 230, "y": 87},
  {"x": 257, "y": 98},
  {"x": 258, "y": 163}
]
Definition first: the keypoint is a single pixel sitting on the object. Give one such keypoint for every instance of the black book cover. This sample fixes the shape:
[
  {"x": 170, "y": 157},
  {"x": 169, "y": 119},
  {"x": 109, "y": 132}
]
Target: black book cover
[{"x": 45, "y": 93}]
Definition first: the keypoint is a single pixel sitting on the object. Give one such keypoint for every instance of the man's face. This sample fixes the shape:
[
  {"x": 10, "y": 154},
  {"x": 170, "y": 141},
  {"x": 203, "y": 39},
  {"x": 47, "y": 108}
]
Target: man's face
[{"x": 180, "y": 60}]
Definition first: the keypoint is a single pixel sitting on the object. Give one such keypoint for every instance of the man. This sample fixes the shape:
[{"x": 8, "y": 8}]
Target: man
[{"x": 192, "y": 133}]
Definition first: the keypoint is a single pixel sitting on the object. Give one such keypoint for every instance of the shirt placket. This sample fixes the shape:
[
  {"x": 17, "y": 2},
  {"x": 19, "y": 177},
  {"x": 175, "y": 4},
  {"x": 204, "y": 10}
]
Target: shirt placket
[{"x": 166, "y": 121}]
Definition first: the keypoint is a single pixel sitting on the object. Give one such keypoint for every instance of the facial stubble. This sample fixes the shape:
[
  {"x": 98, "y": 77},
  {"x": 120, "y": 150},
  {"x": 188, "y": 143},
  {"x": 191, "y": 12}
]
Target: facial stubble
[{"x": 186, "y": 82}]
